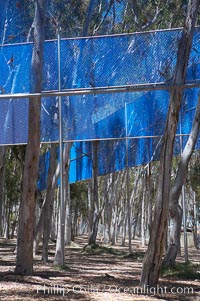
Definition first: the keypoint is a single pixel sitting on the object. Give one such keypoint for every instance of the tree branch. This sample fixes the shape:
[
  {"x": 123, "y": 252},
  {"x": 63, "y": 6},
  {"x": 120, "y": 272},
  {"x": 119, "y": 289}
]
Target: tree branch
[
  {"x": 185, "y": 158},
  {"x": 105, "y": 16}
]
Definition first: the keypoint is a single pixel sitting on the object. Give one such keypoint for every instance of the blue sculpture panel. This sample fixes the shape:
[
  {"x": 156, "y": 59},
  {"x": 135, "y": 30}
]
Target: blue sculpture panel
[
  {"x": 119, "y": 60},
  {"x": 134, "y": 120},
  {"x": 89, "y": 62}
]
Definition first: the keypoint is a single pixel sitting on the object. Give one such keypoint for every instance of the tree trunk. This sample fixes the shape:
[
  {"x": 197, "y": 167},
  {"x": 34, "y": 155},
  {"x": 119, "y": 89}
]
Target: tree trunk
[
  {"x": 124, "y": 223},
  {"x": 48, "y": 206},
  {"x": 7, "y": 232},
  {"x": 149, "y": 194},
  {"x": 59, "y": 259},
  {"x": 95, "y": 195},
  {"x": 112, "y": 202},
  {"x": 93, "y": 236},
  {"x": 143, "y": 238},
  {"x": 38, "y": 232},
  {"x": 195, "y": 221},
  {"x": 24, "y": 262},
  {"x": 74, "y": 226},
  {"x": 67, "y": 195},
  {"x": 54, "y": 226},
  {"x": 174, "y": 208},
  {"x": 128, "y": 204},
  {"x": 136, "y": 202},
  {"x": 107, "y": 211},
  {"x": 68, "y": 225},
  {"x": 114, "y": 227},
  {"x": 153, "y": 257},
  {"x": 175, "y": 232},
  {"x": 39, "y": 221},
  {"x": 90, "y": 207},
  {"x": 2, "y": 180}
]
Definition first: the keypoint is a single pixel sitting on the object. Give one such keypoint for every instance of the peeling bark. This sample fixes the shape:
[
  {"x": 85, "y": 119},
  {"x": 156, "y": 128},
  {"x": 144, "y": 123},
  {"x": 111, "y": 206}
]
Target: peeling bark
[
  {"x": 24, "y": 262},
  {"x": 95, "y": 195},
  {"x": 153, "y": 258},
  {"x": 175, "y": 209}
]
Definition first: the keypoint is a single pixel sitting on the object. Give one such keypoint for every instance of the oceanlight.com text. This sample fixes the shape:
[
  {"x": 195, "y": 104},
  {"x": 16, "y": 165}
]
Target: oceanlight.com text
[{"x": 95, "y": 289}]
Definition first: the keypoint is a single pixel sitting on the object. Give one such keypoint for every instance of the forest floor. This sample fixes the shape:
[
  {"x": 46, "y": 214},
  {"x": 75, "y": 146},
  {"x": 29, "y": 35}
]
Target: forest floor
[{"x": 104, "y": 273}]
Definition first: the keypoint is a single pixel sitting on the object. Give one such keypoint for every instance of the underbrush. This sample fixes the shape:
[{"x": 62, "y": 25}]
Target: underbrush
[
  {"x": 182, "y": 271},
  {"x": 98, "y": 250}
]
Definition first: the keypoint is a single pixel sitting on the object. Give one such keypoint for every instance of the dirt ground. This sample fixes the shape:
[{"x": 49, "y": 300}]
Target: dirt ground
[{"x": 101, "y": 276}]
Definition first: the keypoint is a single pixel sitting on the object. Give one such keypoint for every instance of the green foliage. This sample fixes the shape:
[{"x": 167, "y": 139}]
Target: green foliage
[
  {"x": 14, "y": 159},
  {"x": 183, "y": 271},
  {"x": 106, "y": 17},
  {"x": 97, "y": 250},
  {"x": 109, "y": 17},
  {"x": 13, "y": 174},
  {"x": 69, "y": 15},
  {"x": 78, "y": 193},
  {"x": 194, "y": 175},
  {"x": 151, "y": 15}
]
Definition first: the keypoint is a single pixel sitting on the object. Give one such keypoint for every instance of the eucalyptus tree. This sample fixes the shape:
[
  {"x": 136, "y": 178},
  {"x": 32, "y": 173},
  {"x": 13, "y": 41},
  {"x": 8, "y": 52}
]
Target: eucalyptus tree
[
  {"x": 2, "y": 190},
  {"x": 194, "y": 183},
  {"x": 175, "y": 209},
  {"x": 152, "y": 15},
  {"x": 194, "y": 175},
  {"x": 24, "y": 261},
  {"x": 13, "y": 171},
  {"x": 79, "y": 209},
  {"x": 153, "y": 257},
  {"x": 48, "y": 204}
]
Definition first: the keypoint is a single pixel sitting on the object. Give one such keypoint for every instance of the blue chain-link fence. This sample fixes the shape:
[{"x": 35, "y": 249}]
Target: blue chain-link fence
[{"x": 127, "y": 59}]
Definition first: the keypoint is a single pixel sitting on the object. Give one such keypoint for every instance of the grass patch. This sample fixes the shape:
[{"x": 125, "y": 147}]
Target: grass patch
[
  {"x": 62, "y": 268},
  {"x": 74, "y": 245},
  {"x": 98, "y": 250},
  {"x": 136, "y": 256},
  {"x": 182, "y": 270}
]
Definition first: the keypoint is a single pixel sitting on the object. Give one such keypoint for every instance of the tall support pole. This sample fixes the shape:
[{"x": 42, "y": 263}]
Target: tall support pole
[
  {"x": 62, "y": 206},
  {"x": 183, "y": 201},
  {"x": 128, "y": 184}
]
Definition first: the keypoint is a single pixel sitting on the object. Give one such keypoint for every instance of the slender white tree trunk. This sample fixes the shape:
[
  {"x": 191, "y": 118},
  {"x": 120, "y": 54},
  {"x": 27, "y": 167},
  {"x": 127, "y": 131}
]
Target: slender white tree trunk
[
  {"x": 175, "y": 209},
  {"x": 195, "y": 221},
  {"x": 54, "y": 226},
  {"x": 59, "y": 259},
  {"x": 48, "y": 206},
  {"x": 67, "y": 196},
  {"x": 149, "y": 193},
  {"x": 143, "y": 220}
]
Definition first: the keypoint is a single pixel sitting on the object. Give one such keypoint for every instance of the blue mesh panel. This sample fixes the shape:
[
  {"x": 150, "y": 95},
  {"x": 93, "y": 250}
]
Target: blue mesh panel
[
  {"x": 14, "y": 117},
  {"x": 96, "y": 62},
  {"x": 15, "y": 68},
  {"x": 119, "y": 60}
]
